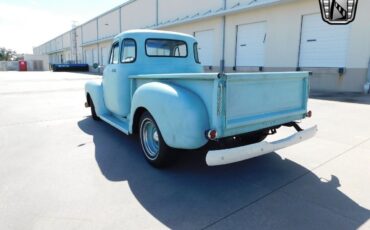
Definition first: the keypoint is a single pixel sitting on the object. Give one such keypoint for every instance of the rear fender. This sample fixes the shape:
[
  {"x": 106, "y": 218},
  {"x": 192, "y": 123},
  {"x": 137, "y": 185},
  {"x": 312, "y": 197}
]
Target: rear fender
[{"x": 180, "y": 114}]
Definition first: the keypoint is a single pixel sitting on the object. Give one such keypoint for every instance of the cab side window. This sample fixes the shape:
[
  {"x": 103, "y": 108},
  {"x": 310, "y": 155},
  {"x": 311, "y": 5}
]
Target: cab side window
[
  {"x": 114, "y": 55},
  {"x": 128, "y": 51}
]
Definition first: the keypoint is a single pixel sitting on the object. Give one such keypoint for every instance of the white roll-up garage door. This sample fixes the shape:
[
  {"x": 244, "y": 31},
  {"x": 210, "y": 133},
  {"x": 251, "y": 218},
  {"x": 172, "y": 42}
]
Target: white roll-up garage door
[
  {"x": 323, "y": 45},
  {"x": 205, "y": 46},
  {"x": 105, "y": 55},
  {"x": 251, "y": 41},
  {"x": 89, "y": 57},
  {"x": 95, "y": 55}
]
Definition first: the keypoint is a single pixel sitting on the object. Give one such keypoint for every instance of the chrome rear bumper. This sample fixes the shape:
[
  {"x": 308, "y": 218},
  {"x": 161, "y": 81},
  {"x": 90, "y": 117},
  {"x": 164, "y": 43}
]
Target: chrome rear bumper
[{"x": 227, "y": 156}]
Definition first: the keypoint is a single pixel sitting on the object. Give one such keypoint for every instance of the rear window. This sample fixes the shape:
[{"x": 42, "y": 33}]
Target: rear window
[{"x": 166, "y": 48}]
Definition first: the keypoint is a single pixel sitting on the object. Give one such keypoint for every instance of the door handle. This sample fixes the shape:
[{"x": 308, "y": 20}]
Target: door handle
[
  {"x": 114, "y": 70},
  {"x": 242, "y": 45}
]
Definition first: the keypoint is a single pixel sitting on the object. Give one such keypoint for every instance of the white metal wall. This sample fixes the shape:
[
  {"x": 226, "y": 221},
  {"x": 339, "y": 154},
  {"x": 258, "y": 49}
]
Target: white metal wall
[
  {"x": 236, "y": 3},
  {"x": 109, "y": 25},
  {"x": 284, "y": 49},
  {"x": 95, "y": 55},
  {"x": 138, "y": 14},
  {"x": 170, "y": 10},
  {"x": 89, "y": 32},
  {"x": 59, "y": 43},
  {"x": 105, "y": 55},
  {"x": 79, "y": 43},
  {"x": 89, "y": 56},
  {"x": 53, "y": 45},
  {"x": 104, "y": 52},
  {"x": 66, "y": 40}
]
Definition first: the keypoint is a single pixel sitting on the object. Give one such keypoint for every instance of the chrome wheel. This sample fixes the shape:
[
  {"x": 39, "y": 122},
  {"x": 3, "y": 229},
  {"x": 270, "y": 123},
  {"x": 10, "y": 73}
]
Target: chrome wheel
[
  {"x": 149, "y": 138},
  {"x": 155, "y": 149}
]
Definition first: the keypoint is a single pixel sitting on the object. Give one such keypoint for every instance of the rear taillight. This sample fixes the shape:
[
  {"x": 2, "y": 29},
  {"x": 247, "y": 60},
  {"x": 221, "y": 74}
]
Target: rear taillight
[{"x": 211, "y": 134}]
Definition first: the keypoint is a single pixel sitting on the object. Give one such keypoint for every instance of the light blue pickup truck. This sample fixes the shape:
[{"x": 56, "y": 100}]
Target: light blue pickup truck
[{"x": 154, "y": 86}]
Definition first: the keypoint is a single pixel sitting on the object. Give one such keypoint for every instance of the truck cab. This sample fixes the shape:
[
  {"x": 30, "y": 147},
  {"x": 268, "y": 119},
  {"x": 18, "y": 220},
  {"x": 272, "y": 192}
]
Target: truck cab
[
  {"x": 145, "y": 52},
  {"x": 154, "y": 86}
]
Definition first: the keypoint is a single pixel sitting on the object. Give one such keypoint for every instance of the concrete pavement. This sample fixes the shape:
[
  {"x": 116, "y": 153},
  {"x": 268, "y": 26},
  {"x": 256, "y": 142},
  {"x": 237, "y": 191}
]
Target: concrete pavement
[{"x": 59, "y": 169}]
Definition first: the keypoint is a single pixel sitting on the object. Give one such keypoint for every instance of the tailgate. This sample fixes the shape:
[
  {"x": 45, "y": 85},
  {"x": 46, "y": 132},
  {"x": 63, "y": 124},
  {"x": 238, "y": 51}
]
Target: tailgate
[{"x": 255, "y": 101}]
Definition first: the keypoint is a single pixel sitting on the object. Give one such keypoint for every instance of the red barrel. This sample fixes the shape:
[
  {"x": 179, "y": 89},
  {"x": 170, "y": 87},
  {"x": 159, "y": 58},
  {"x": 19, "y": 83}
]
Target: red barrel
[{"x": 22, "y": 66}]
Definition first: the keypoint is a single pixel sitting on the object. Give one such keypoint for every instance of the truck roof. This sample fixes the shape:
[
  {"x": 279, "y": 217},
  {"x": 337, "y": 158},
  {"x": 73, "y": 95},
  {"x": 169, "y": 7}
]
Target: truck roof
[{"x": 145, "y": 33}]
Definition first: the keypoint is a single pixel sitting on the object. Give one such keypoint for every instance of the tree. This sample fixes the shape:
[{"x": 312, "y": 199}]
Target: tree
[{"x": 8, "y": 55}]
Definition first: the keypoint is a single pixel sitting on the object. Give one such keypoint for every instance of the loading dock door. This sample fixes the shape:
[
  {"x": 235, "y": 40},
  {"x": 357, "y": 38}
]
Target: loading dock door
[
  {"x": 89, "y": 57},
  {"x": 105, "y": 55},
  {"x": 205, "y": 46},
  {"x": 251, "y": 40},
  {"x": 323, "y": 45},
  {"x": 95, "y": 55}
]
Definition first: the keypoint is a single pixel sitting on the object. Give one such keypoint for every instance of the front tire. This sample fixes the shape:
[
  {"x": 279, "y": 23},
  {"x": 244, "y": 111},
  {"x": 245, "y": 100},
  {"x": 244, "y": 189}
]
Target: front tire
[
  {"x": 93, "y": 112},
  {"x": 156, "y": 151}
]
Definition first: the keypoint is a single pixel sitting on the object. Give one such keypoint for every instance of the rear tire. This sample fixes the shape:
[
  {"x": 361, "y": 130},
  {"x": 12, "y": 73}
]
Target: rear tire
[
  {"x": 156, "y": 151},
  {"x": 93, "y": 112}
]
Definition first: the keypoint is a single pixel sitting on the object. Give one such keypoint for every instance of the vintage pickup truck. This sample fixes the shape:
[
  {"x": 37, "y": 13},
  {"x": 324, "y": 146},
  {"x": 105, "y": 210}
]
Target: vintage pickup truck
[{"x": 154, "y": 86}]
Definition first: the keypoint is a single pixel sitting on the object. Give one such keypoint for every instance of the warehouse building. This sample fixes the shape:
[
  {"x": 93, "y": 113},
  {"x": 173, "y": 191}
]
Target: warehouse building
[{"x": 245, "y": 35}]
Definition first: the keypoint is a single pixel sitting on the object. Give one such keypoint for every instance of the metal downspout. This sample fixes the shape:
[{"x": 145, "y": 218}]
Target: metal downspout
[
  {"x": 367, "y": 84},
  {"x": 82, "y": 48},
  {"x": 157, "y": 13},
  {"x": 97, "y": 41},
  {"x": 222, "y": 62},
  {"x": 120, "y": 19}
]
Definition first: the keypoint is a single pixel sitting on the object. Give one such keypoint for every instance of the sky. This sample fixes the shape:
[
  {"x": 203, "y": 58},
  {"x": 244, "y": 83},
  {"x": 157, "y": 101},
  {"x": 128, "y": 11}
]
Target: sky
[{"x": 30, "y": 23}]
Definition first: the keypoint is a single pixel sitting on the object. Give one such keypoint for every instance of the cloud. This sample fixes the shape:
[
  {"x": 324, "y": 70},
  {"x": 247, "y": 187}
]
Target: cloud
[{"x": 22, "y": 27}]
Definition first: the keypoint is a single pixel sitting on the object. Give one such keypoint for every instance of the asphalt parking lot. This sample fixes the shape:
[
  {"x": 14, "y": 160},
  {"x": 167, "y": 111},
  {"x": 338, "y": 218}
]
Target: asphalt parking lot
[{"x": 59, "y": 169}]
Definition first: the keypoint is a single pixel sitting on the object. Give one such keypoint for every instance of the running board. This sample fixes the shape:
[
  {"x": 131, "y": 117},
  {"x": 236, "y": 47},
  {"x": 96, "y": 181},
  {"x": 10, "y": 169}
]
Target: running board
[
  {"x": 115, "y": 122},
  {"x": 227, "y": 156}
]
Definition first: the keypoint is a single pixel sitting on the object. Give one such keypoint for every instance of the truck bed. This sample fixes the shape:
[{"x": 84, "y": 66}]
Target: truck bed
[{"x": 239, "y": 103}]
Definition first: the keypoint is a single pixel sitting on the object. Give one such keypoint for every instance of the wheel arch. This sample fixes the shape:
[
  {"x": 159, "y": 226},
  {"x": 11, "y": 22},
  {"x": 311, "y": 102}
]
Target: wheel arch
[
  {"x": 180, "y": 114},
  {"x": 94, "y": 91},
  {"x": 88, "y": 99},
  {"x": 136, "y": 119}
]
